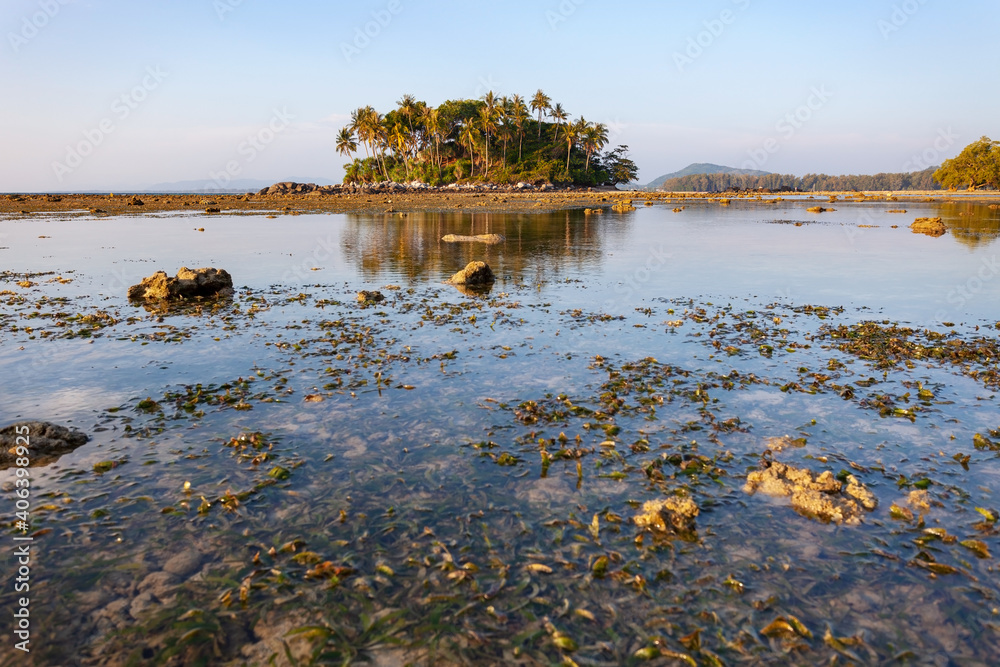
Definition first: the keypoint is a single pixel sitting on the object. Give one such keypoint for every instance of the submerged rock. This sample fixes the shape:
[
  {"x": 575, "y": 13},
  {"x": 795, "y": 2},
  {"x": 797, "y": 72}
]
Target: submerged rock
[
  {"x": 474, "y": 273},
  {"x": 188, "y": 284},
  {"x": 929, "y": 226},
  {"x": 480, "y": 238},
  {"x": 821, "y": 497},
  {"x": 669, "y": 515},
  {"x": 46, "y": 442},
  {"x": 364, "y": 296}
]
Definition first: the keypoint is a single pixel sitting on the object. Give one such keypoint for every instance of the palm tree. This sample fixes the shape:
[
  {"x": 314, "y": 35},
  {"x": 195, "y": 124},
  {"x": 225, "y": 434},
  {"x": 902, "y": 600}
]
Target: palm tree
[
  {"x": 487, "y": 122},
  {"x": 345, "y": 142},
  {"x": 432, "y": 122},
  {"x": 468, "y": 135},
  {"x": 573, "y": 131},
  {"x": 399, "y": 138},
  {"x": 407, "y": 105},
  {"x": 594, "y": 139},
  {"x": 540, "y": 102},
  {"x": 519, "y": 115},
  {"x": 559, "y": 115}
]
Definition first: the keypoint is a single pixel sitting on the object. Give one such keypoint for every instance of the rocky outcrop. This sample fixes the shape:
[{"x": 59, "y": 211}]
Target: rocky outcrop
[
  {"x": 822, "y": 497},
  {"x": 929, "y": 226},
  {"x": 478, "y": 238},
  {"x": 45, "y": 442},
  {"x": 474, "y": 274},
  {"x": 187, "y": 284},
  {"x": 670, "y": 515},
  {"x": 364, "y": 297}
]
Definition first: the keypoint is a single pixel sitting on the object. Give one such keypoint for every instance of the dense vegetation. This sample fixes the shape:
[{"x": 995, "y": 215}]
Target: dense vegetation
[
  {"x": 919, "y": 180},
  {"x": 493, "y": 139},
  {"x": 977, "y": 166}
]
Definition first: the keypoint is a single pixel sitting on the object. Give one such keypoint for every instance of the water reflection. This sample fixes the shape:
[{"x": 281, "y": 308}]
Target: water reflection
[
  {"x": 972, "y": 224},
  {"x": 537, "y": 247}
]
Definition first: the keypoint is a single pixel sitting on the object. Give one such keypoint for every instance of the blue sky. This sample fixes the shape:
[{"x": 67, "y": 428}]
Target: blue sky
[{"x": 165, "y": 91}]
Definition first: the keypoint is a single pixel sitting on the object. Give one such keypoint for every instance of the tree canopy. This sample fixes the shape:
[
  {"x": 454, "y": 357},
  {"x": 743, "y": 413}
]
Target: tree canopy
[
  {"x": 493, "y": 139},
  {"x": 919, "y": 180},
  {"x": 977, "y": 166}
]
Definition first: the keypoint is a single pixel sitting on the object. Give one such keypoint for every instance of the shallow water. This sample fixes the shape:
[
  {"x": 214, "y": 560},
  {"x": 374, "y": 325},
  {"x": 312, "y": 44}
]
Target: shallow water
[{"x": 426, "y": 448}]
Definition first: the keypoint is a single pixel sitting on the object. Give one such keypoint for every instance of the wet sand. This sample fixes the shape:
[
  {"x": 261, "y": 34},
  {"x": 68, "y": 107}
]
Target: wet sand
[{"x": 381, "y": 202}]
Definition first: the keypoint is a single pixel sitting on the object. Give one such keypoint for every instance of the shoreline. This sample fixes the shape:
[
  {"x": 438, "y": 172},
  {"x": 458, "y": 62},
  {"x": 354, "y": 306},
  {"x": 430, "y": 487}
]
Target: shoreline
[{"x": 14, "y": 206}]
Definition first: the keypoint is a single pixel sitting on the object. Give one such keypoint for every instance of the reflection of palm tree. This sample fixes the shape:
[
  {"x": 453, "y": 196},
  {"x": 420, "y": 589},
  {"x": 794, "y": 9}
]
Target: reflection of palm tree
[{"x": 540, "y": 103}]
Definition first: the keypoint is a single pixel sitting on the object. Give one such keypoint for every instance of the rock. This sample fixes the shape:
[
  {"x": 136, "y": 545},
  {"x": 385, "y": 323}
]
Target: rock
[
  {"x": 188, "y": 284},
  {"x": 159, "y": 584},
  {"x": 819, "y": 209},
  {"x": 814, "y": 496},
  {"x": 480, "y": 238},
  {"x": 474, "y": 273},
  {"x": 623, "y": 206},
  {"x": 46, "y": 442},
  {"x": 364, "y": 296},
  {"x": 135, "y": 201},
  {"x": 184, "y": 564},
  {"x": 212, "y": 209},
  {"x": 670, "y": 515},
  {"x": 929, "y": 226}
]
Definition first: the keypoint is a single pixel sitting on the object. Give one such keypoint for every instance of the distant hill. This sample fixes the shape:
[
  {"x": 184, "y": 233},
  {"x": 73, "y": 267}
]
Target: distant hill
[
  {"x": 235, "y": 185},
  {"x": 702, "y": 168}
]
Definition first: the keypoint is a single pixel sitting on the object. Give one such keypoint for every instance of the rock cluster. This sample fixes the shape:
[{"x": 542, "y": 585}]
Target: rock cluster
[
  {"x": 46, "y": 442},
  {"x": 929, "y": 226},
  {"x": 821, "y": 497},
  {"x": 187, "y": 284},
  {"x": 292, "y": 188},
  {"x": 364, "y": 296},
  {"x": 474, "y": 274},
  {"x": 669, "y": 515},
  {"x": 479, "y": 238}
]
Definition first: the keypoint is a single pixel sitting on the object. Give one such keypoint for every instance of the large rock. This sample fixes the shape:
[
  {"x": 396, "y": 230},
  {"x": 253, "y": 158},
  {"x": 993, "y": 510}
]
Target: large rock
[
  {"x": 187, "y": 284},
  {"x": 929, "y": 226},
  {"x": 478, "y": 238},
  {"x": 45, "y": 442},
  {"x": 474, "y": 273}
]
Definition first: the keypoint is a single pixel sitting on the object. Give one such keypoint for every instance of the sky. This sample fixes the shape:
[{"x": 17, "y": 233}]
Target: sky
[{"x": 116, "y": 95}]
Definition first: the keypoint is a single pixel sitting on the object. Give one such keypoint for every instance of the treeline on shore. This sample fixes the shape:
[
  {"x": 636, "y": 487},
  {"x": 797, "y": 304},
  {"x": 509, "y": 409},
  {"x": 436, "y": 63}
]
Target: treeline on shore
[
  {"x": 495, "y": 139},
  {"x": 918, "y": 180}
]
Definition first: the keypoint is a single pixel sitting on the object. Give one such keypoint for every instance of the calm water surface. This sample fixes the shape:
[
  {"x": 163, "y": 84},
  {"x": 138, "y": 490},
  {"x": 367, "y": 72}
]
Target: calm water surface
[{"x": 452, "y": 477}]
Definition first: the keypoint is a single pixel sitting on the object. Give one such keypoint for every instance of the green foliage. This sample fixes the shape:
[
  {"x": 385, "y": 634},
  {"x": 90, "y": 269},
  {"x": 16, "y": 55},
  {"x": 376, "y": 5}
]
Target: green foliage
[
  {"x": 920, "y": 180},
  {"x": 494, "y": 139},
  {"x": 978, "y": 165}
]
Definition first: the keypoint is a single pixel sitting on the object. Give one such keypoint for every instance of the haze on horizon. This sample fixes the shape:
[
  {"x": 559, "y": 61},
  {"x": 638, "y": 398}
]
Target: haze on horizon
[{"x": 177, "y": 91}]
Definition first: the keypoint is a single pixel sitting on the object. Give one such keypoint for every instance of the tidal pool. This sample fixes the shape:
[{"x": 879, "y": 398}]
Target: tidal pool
[{"x": 454, "y": 478}]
